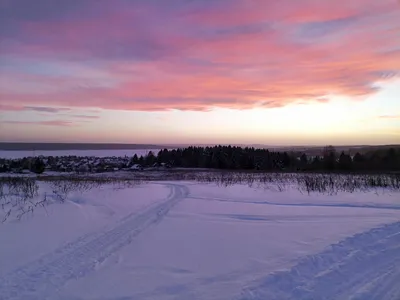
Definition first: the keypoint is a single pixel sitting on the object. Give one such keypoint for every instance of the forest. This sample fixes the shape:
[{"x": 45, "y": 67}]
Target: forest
[{"x": 249, "y": 158}]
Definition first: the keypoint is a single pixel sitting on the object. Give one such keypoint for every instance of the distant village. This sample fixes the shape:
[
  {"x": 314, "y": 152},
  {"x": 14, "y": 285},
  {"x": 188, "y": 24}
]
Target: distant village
[{"x": 75, "y": 164}]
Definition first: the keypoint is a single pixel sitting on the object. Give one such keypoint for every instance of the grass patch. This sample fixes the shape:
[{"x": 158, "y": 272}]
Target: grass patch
[{"x": 20, "y": 195}]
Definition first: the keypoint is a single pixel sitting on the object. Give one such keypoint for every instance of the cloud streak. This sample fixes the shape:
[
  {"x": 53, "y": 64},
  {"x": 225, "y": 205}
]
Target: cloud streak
[
  {"x": 194, "y": 55},
  {"x": 46, "y": 109},
  {"x": 85, "y": 117},
  {"x": 390, "y": 117},
  {"x": 44, "y": 123}
]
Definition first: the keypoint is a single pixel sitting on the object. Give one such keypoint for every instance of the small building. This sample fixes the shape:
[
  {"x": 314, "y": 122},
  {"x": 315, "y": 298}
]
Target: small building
[{"x": 136, "y": 167}]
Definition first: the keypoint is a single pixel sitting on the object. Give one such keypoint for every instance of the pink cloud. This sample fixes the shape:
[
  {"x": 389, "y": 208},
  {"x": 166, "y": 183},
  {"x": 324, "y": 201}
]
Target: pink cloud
[
  {"x": 9, "y": 107},
  {"x": 44, "y": 123},
  {"x": 233, "y": 54}
]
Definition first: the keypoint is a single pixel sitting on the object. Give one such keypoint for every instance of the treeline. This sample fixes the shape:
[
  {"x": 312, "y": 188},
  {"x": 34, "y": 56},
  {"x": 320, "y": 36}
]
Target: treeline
[
  {"x": 218, "y": 157},
  {"x": 238, "y": 158}
]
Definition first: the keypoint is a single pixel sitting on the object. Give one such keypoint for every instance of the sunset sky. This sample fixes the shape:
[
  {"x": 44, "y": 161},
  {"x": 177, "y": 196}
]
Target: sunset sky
[{"x": 275, "y": 72}]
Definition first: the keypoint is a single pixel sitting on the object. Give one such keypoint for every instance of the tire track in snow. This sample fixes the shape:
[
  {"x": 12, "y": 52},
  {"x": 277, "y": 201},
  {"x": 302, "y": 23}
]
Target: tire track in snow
[
  {"x": 342, "y": 205},
  {"x": 363, "y": 267},
  {"x": 43, "y": 277}
]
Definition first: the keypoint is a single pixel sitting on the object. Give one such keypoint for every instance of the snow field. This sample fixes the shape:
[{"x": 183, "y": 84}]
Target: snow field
[{"x": 184, "y": 240}]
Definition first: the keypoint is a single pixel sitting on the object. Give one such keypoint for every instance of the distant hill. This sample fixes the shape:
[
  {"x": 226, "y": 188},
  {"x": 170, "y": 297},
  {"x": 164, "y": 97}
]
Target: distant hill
[{"x": 74, "y": 146}]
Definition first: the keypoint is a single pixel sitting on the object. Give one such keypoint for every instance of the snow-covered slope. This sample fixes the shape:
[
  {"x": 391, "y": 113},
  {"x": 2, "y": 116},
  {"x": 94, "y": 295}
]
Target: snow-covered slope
[
  {"x": 182, "y": 240},
  {"x": 364, "y": 266}
]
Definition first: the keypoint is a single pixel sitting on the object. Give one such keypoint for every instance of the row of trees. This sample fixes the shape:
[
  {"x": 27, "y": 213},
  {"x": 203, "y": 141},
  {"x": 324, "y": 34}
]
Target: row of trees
[{"x": 238, "y": 158}]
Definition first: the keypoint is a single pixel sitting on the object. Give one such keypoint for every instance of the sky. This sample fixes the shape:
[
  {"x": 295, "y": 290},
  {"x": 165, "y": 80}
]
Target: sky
[{"x": 273, "y": 72}]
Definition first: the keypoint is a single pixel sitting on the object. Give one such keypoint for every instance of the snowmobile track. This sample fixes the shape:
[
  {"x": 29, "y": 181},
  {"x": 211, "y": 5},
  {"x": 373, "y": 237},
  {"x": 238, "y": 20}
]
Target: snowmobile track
[
  {"x": 363, "y": 267},
  {"x": 40, "y": 279}
]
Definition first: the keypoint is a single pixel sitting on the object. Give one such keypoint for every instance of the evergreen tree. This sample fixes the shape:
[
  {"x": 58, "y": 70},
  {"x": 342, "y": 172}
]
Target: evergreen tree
[
  {"x": 38, "y": 166},
  {"x": 150, "y": 159},
  {"x": 345, "y": 162},
  {"x": 358, "y": 158},
  {"x": 135, "y": 159},
  {"x": 329, "y": 154}
]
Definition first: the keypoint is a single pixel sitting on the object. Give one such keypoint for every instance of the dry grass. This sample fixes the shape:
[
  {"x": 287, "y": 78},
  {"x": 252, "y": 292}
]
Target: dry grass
[{"x": 20, "y": 195}]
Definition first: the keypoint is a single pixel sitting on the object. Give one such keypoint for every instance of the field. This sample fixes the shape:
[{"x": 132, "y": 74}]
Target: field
[{"x": 204, "y": 238}]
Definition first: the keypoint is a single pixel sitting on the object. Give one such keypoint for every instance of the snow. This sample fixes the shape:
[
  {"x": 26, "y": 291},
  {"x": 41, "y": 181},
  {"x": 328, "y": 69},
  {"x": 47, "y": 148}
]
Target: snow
[
  {"x": 185, "y": 240},
  {"x": 269, "y": 194},
  {"x": 84, "y": 213}
]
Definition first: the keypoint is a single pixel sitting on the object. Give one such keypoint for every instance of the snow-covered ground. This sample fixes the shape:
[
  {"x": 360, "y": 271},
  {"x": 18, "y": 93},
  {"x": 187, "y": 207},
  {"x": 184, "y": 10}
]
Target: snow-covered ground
[
  {"x": 185, "y": 240},
  {"x": 88, "y": 153}
]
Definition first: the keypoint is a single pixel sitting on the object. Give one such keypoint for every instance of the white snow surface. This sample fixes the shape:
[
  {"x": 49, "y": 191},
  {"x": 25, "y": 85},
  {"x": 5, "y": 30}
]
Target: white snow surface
[{"x": 184, "y": 240}]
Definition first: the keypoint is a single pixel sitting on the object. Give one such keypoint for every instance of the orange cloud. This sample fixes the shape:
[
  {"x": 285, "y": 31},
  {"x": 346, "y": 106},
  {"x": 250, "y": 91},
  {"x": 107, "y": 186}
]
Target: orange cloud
[{"x": 390, "y": 117}]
